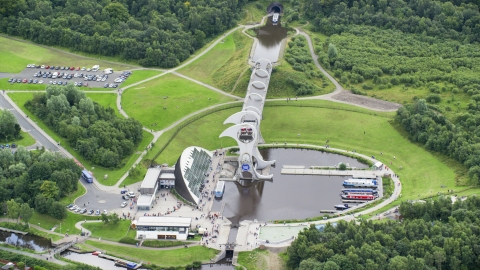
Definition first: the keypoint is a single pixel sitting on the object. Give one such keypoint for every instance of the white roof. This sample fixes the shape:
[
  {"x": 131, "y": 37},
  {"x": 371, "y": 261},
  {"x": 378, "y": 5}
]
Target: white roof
[
  {"x": 145, "y": 200},
  {"x": 167, "y": 176},
  {"x": 164, "y": 221},
  {"x": 378, "y": 164},
  {"x": 151, "y": 178}
]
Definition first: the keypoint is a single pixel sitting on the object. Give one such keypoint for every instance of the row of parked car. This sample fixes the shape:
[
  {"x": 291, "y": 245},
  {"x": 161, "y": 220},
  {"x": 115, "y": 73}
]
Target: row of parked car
[
  {"x": 79, "y": 210},
  {"x": 14, "y": 80},
  {"x": 8, "y": 146},
  {"x": 94, "y": 69}
]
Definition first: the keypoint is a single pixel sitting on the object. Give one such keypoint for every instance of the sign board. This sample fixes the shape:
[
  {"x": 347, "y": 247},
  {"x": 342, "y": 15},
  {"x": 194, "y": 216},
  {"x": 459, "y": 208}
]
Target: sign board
[{"x": 245, "y": 167}]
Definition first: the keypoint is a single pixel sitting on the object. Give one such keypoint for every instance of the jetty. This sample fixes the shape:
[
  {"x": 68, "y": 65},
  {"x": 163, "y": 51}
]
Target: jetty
[
  {"x": 301, "y": 170},
  {"x": 120, "y": 262},
  {"x": 13, "y": 231}
]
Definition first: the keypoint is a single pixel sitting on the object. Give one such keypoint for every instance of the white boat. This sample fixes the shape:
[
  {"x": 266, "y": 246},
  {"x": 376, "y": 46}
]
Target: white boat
[
  {"x": 341, "y": 206},
  {"x": 275, "y": 18},
  {"x": 360, "y": 183}
]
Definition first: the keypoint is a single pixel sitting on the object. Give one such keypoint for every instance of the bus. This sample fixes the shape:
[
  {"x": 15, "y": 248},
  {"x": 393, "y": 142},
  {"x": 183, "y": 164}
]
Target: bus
[
  {"x": 220, "y": 189},
  {"x": 87, "y": 176}
]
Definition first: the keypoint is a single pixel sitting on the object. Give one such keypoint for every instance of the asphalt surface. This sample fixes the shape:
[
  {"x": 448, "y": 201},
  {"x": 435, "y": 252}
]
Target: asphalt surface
[
  {"x": 28, "y": 73},
  {"x": 97, "y": 199},
  {"x": 26, "y": 126}
]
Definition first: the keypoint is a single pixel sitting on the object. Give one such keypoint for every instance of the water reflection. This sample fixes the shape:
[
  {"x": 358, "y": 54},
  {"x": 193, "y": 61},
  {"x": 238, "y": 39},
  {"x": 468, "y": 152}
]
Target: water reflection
[
  {"x": 269, "y": 41},
  {"x": 34, "y": 242},
  {"x": 288, "y": 196}
]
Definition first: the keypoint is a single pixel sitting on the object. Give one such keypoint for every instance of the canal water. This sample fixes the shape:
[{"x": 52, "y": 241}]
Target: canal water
[
  {"x": 269, "y": 41},
  {"x": 287, "y": 196},
  {"x": 34, "y": 242}
]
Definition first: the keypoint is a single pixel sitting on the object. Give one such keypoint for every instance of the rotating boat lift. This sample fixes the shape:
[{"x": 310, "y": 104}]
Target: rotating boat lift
[{"x": 246, "y": 131}]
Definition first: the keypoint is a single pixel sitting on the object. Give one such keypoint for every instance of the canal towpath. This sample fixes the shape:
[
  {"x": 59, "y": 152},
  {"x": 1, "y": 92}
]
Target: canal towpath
[{"x": 36, "y": 256}]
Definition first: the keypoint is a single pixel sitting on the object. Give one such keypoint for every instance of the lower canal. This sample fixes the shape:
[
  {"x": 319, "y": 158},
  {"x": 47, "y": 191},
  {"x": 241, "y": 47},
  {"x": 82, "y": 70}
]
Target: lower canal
[
  {"x": 287, "y": 196},
  {"x": 29, "y": 241}
]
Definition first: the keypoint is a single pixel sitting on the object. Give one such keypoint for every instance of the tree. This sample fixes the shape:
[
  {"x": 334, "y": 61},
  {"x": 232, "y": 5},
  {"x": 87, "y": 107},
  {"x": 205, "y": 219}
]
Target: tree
[
  {"x": 330, "y": 265},
  {"x": 114, "y": 218},
  {"x": 105, "y": 218},
  {"x": 26, "y": 212},
  {"x": 42, "y": 204},
  {"x": 49, "y": 189},
  {"x": 58, "y": 211},
  {"x": 332, "y": 51},
  {"x": 13, "y": 209},
  {"x": 9, "y": 128},
  {"x": 310, "y": 264}
]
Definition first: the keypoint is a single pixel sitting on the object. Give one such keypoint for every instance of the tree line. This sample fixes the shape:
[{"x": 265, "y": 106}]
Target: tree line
[
  {"x": 156, "y": 33},
  {"x": 434, "y": 235},
  {"x": 457, "y": 20},
  {"x": 94, "y": 131},
  {"x": 35, "y": 179}
]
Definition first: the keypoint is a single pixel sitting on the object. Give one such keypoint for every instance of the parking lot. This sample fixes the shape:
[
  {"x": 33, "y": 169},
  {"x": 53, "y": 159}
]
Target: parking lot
[{"x": 84, "y": 78}]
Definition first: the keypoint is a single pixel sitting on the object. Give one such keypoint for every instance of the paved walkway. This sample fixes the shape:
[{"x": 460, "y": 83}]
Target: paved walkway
[{"x": 36, "y": 256}]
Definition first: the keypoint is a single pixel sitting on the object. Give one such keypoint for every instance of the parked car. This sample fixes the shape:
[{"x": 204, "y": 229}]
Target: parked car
[
  {"x": 14, "y": 145},
  {"x": 105, "y": 212},
  {"x": 124, "y": 204},
  {"x": 10, "y": 80},
  {"x": 90, "y": 212},
  {"x": 47, "y": 67},
  {"x": 7, "y": 146},
  {"x": 70, "y": 205},
  {"x": 83, "y": 211},
  {"x": 131, "y": 194},
  {"x": 97, "y": 212},
  {"x": 40, "y": 81}
]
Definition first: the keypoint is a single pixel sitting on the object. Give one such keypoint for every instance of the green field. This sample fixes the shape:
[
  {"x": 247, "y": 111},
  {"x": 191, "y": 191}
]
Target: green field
[
  {"x": 422, "y": 173},
  {"x": 253, "y": 12},
  {"x": 26, "y": 140},
  {"x": 108, "y": 231},
  {"x": 160, "y": 102},
  {"x": 15, "y": 55},
  {"x": 99, "y": 173},
  {"x": 106, "y": 100},
  {"x": 68, "y": 224},
  {"x": 175, "y": 257},
  {"x": 224, "y": 64},
  {"x": 140, "y": 75}
]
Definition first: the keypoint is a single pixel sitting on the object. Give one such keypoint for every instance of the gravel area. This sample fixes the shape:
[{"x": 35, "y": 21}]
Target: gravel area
[{"x": 367, "y": 102}]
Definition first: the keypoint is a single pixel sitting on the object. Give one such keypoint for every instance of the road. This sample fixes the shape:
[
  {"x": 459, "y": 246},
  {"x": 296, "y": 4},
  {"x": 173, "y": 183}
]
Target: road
[
  {"x": 36, "y": 256},
  {"x": 28, "y": 127}
]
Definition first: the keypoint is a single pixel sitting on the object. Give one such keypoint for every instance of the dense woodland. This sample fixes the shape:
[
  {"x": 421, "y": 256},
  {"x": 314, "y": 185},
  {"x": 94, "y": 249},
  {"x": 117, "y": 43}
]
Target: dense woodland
[
  {"x": 298, "y": 56},
  {"x": 156, "y": 33},
  {"x": 433, "y": 235},
  {"x": 36, "y": 179},
  {"x": 94, "y": 131}
]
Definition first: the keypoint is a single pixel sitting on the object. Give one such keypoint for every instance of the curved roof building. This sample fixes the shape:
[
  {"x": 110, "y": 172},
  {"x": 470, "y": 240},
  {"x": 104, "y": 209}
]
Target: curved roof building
[{"x": 190, "y": 172}]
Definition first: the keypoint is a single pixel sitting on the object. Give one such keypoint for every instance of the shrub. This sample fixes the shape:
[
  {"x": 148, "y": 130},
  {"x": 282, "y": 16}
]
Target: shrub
[
  {"x": 128, "y": 240},
  {"x": 434, "y": 98}
]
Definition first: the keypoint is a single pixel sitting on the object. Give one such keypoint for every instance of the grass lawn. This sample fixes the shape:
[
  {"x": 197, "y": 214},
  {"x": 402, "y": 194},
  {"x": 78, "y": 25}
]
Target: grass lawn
[
  {"x": 26, "y": 140},
  {"x": 15, "y": 55},
  {"x": 46, "y": 235},
  {"x": 261, "y": 259},
  {"x": 74, "y": 195},
  {"x": 203, "y": 132},
  {"x": 106, "y": 100},
  {"x": 113, "y": 174},
  {"x": 174, "y": 257},
  {"x": 140, "y": 75},
  {"x": 137, "y": 178},
  {"x": 224, "y": 64},
  {"x": 68, "y": 224},
  {"x": 147, "y": 101},
  {"x": 423, "y": 172},
  {"x": 163, "y": 243},
  {"x": 112, "y": 232}
]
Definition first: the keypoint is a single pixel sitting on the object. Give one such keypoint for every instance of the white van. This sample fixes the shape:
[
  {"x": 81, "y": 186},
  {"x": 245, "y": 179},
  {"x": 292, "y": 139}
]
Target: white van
[
  {"x": 54, "y": 75},
  {"x": 131, "y": 194}
]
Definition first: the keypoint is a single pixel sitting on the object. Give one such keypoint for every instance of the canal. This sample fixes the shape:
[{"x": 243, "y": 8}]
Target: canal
[
  {"x": 287, "y": 196},
  {"x": 269, "y": 43},
  {"x": 29, "y": 241}
]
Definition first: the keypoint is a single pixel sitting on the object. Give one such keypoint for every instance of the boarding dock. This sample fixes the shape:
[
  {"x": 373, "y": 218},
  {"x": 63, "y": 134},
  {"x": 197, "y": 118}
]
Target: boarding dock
[
  {"x": 301, "y": 170},
  {"x": 120, "y": 262}
]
